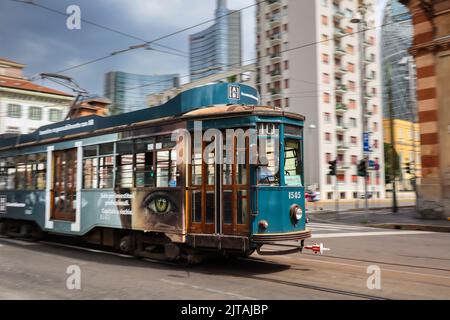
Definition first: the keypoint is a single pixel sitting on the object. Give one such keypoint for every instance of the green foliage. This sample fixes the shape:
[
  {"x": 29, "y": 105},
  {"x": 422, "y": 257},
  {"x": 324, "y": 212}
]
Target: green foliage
[{"x": 388, "y": 169}]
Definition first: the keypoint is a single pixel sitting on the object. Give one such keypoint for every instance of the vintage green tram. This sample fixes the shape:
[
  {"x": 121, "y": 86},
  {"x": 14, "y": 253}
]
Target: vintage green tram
[{"x": 150, "y": 183}]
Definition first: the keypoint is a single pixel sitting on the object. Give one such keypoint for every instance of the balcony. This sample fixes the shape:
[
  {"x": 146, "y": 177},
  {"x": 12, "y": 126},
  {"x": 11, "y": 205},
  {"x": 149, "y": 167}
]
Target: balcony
[
  {"x": 338, "y": 32},
  {"x": 342, "y": 166},
  {"x": 275, "y": 21},
  {"x": 276, "y": 75},
  {"x": 367, "y": 78},
  {"x": 275, "y": 39},
  {"x": 274, "y": 4},
  {"x": 368, "y": 114},
  {"x": 275, "y": 94},
  {"x": 368, "y": 60},
  {"x": 275, "y": 58},
  {"x": 341, "y": 146},
  {"x": 338, "y": 14},
  {"x": 367, "y": 96},
  {"x": 341, "y": 108},
  {"x": 340, "y": 70},
  {"x": 341, "y": 127},
  {"x": 339, "y": 51},
  {"x": 341, "y": 89}
]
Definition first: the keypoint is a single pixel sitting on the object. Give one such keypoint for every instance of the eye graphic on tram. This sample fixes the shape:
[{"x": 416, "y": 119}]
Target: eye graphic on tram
[{"x": 159, "y": 203}]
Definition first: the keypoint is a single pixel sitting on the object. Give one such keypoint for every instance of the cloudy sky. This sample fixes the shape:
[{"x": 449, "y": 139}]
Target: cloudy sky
[{"x": 40, "y": 39}]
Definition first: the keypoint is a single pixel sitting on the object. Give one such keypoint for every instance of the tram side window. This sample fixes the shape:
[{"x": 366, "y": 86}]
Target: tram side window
[
  {"x": 90, "y": 167},
  {"x": 166, "y": 162},
  {"x": 21, "y": 170},
  {"x": 292, "y": 162},
  {"x": 3, "y": 174},
  {"x": 106, "y": 165},
  {"x": 41, "y": 171},
  {"x": 124, "y": 164},
  {"x": 268, "y": 172},
  {"x": 145, "y": 173},
  {"x": 11, "y": 172}
]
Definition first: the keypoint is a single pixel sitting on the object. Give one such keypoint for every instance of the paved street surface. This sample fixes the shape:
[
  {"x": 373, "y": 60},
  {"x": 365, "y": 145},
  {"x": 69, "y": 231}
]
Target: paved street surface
[
  {"x": 413, "y": 264},
  {"x": 330, "y": 205}
]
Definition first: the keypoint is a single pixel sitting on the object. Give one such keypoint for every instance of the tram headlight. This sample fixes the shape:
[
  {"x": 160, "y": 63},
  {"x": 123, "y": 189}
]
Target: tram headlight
[
  {"x": 296, "y": 213},
  {"x": 263, "y": 224}
]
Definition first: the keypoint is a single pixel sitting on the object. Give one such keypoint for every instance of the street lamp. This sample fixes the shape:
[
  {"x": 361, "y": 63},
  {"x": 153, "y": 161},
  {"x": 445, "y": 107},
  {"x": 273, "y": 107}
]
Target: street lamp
[
  {"x": 359, "y": 19},
  {"x": 312, "y": 176}
]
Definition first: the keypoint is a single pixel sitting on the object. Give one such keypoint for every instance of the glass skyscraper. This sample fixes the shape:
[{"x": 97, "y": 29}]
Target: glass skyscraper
[
  {"x": 397, "y": 37},
  {"x": 217, "y": 48},
  {"x": 128, "y": 92}
]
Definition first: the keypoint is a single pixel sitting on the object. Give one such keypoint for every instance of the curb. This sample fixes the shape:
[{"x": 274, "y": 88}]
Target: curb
[
  {"x": 358, "y": 209},
  {"x": 418, "y": 227}
]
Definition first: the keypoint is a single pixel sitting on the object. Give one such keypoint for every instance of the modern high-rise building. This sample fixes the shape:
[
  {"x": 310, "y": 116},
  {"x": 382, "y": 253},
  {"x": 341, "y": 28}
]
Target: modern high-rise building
[
  {"x": 312, "y": 60},
  {"x": 396, "y": 38},
  {"x": 128, "y": 92},
  {"x": 217, "y": 48}
]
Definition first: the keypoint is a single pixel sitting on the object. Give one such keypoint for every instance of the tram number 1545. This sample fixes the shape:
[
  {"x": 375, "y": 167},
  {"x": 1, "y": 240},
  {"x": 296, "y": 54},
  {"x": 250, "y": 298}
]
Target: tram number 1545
[{"x": 295, "y": 195}]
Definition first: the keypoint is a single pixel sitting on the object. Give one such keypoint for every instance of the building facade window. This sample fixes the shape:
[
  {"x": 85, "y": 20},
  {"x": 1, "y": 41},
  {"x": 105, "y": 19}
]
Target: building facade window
[
  {"x": 352, "y": 104},
  {"x": 325, "y": 58},
  {"x": 326, "y": 97},
  {"x": 326, "y": 78},
  {"x": 55, "y": 115},
  {"x": 35, "y": 113},
  {"x": 350, "y": 49},
  {"x": 324, "y": 20},
  {"x": 14, "y": 111},
  {"x": 327, "y": 117},
  {"x": 327, "y": 136}
]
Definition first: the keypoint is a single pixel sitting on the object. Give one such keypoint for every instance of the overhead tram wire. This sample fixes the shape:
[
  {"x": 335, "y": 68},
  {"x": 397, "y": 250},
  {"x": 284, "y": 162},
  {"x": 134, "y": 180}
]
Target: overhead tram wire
[
  {"x": 282, "y": 51},
  {"x": 147, "y": 42},
  {"x": 207, "y": 21},
  {"x": 125, "y": 34}
]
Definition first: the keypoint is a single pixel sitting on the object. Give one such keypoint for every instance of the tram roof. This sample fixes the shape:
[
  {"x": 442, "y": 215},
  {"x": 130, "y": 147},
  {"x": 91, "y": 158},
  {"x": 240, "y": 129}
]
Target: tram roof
[{"x": 222, "y": 99}]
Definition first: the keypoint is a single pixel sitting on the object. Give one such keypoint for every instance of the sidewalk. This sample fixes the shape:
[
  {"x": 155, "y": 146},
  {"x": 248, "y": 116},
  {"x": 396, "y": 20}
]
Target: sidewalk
[{"x": 405, "y": 219}]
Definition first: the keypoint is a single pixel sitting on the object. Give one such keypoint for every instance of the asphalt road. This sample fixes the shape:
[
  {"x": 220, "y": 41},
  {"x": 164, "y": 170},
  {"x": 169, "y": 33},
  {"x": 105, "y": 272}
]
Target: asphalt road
[
  {"x": 412, "y": 265},
  {"x": 357, "y": 204}
]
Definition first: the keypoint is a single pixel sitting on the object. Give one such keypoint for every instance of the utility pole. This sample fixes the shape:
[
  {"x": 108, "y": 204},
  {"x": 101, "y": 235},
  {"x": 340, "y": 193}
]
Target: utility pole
[
  {"x": 392, "y": 134},
  {"x": 361, "y": 21},
  {"x": 412, "y": 98}
]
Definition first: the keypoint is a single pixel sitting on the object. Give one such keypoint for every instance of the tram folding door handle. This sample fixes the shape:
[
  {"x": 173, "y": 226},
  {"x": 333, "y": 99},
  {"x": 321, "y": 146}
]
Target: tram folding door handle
[{"x": 317, "y": 248}]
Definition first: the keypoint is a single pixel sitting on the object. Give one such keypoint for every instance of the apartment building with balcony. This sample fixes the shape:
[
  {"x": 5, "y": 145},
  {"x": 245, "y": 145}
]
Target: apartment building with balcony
[{"x": 312, "y": 60}]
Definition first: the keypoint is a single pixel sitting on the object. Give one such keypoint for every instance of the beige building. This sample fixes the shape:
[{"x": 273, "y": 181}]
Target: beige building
[
  {"x": 311, "y": 61},
  {"x": 407, "y": 146},
  {"x": 25, "y": 106}
]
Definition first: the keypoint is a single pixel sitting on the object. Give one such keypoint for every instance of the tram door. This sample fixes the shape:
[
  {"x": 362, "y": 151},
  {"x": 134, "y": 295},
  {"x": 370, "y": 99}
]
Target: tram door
[
  {"x": 218, "y": 194},
  {"x": 64, "y": 185}
]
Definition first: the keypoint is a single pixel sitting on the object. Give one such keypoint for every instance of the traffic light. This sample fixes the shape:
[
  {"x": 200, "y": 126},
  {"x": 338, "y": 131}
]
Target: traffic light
[
  {"x": 332, "y": 168},
  {"x": 408, "y": 167},
  {"x": 362, "y": 168}
]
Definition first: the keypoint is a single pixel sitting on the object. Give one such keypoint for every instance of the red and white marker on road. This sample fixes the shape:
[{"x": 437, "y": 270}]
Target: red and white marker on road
[{"x": 317, "y": 248}]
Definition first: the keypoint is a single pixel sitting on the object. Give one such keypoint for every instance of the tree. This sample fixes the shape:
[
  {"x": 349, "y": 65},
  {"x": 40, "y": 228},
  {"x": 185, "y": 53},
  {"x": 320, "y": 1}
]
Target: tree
[
  {"x": 232, "y": 79},
  {"x": 387, "y": 163}
]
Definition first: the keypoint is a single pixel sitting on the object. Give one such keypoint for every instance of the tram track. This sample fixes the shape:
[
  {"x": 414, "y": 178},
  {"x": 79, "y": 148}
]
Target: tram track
[{"x": 226, "y": 272}]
